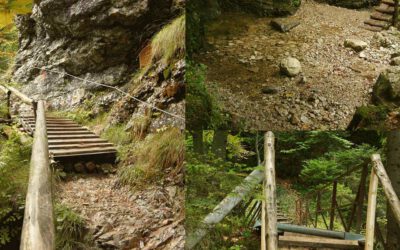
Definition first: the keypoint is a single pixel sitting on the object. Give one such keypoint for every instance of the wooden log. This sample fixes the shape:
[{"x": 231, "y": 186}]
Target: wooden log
[
  {"x": 263, "y": 227},
  {"x": 21, "y": 96},
  {"x": 391, "y": 196},
  {"x": 270, "y": 192},
  {"x": 224, "y": 207},
  {"x": 4, "y": 89},
  {"x": 371, "y": 210},
  {"x": 360, "y": 199},
  {"x": 38, "y": 226},
  {"x": 332, "y": 212}
]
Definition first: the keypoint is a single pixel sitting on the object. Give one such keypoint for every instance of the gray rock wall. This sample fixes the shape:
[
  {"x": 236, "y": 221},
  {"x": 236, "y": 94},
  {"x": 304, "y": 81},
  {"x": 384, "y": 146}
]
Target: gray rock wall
[{"x": 97, "y": 40}]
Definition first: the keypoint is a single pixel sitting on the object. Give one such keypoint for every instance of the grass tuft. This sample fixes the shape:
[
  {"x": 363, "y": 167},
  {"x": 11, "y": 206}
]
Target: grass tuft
[
  {"x": 169, "y": 41},
  {"x": 160, "y": 156}
]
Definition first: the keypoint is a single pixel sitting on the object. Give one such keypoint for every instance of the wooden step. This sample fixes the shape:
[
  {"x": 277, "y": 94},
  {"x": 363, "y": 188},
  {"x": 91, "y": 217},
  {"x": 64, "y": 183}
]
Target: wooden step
[
  {"x": 317, "y": 242},
  {"x": 385, "y": 9},
  {"x": 81, "y": 145},
  {"x": 86, "y": 132},
  {"x": 388, "y": 2},
  {"x": 74, "y": 141},
  {"x": 372, "y": 28},
  {"x": 381, "y": 16},
  {"x": 378, "y": 23},
  {"x": 77, "y": 128},
  {"x": 72, "y": 136},
  {"x": 88, "y": 151}
]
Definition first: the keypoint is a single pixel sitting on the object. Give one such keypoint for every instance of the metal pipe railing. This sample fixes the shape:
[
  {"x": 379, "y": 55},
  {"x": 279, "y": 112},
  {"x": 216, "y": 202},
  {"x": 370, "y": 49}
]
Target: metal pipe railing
[{"x": 38, "y": 227}]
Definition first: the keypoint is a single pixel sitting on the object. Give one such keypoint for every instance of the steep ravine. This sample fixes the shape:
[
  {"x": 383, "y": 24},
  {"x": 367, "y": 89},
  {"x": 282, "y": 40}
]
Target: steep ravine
[{"x": 100, "y": 41}]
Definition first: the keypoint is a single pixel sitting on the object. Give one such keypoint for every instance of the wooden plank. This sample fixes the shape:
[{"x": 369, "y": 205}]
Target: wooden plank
[
  {"x": 377, "y": 23},
  {"x": 38, "y": 226},
  {"x": 82, "y": 145},
  {"x": 270, "y": 193},
  {"x": 385, "y": 10},
  {"x": 388, "y": 2},
  {"x": 66, "y": 153},
  {"x": 391, "y": 196},
  {"x": 72, "y": 136},
  {"x": 61, "y": 132},
  {"x": 381, "y": 16},
  {"x": 314, "y": 242},
  {"x": 371, "y": 211},
  {"x": 57, "y": 141}
]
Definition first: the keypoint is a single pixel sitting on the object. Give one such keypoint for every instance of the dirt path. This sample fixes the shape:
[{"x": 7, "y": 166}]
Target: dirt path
[
  {"x": 244, "y": 60},
  {"x": 121, "y": 219}
]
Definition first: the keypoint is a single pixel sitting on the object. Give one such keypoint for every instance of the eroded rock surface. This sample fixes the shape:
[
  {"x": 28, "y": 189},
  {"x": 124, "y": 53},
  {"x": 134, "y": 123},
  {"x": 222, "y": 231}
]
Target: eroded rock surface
[{"x": 98, "y": 41}]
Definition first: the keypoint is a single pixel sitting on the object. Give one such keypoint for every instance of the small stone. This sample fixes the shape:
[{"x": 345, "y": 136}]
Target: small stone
[
  {"x": 294, "y": 119},
  {"x": 90, "y": 167},
  {"x": 395, "y": 61},
  {"x": 284, "y": 25},
  {"x": 290, "y": 66},
  {"x": 270, "y": 90}
]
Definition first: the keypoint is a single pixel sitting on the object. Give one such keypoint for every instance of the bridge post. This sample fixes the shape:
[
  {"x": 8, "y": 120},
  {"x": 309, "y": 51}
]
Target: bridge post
[
  {"x": 332, "y": 213},
  {"x": 270, "y": 221},
  {"x": 38, "y": 226},
  {"x": 371, "y": 211}
]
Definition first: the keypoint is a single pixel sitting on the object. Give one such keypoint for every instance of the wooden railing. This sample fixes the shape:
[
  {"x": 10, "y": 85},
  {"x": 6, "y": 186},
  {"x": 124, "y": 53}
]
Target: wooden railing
[
  {"x": 396, "y": 13},
  {"x": 38, "y": 227}
]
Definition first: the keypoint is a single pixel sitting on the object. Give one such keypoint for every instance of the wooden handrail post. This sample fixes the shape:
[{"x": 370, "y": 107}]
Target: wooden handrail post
[
  {"x": 270, "y": 193},
  {"x": 332, "y": 213},
  {"x": 263, "y": 227},
  {"x": 396, "y": 13},
  {"x": 360, "y": 199},
  {"x": 34, "y": 107},
  {"x": 371, "y": 210},
  {"x": 38, "y": 227},
  {"x": 391, "y": 196}
]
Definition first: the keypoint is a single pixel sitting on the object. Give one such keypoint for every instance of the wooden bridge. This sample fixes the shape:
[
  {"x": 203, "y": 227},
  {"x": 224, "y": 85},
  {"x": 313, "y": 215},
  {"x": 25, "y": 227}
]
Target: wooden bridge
[
  {"x": 275, "y": 229},
  {"x": 56, "y": 138}
]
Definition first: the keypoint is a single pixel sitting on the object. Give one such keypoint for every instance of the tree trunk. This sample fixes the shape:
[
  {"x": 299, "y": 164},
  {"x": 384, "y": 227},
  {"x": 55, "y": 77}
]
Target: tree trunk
[
  {"x": 198, "y": 146},
  {"x": 220, "y": 141},
  {"x": 393, "y": 170}
]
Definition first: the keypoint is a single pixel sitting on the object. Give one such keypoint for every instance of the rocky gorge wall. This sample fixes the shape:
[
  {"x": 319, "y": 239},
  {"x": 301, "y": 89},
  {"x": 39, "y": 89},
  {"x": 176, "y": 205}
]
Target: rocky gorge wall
[{"x": 97, "y": 40}]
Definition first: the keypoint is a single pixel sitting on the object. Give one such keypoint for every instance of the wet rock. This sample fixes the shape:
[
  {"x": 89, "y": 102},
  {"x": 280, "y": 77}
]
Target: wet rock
[
  {"x": 355, "y": 44},
  {"x": 290, "y": 66},
  {"x": 284, "y": 25}
]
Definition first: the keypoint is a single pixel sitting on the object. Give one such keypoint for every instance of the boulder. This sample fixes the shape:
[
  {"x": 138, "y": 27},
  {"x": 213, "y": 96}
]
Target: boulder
[
  {"x": 355, "y": 44},
  {"x": 386, "y": 90},
  {"x": 395, "y": 61},
  {"x": 290, "y": 66}
]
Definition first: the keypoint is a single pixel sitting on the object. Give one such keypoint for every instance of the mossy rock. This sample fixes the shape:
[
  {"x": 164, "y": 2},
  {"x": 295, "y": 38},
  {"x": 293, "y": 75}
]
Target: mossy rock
[
  {"x": 387, "y": 88},
  {"x": 369, "y": 117},
  {"x": 351, "y": 4}
]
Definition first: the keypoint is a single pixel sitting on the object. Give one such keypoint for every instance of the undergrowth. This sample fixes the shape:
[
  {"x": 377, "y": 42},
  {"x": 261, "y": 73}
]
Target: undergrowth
[
  {"x": 71, "y": 233},
  {"x": 158, "y": 157}
]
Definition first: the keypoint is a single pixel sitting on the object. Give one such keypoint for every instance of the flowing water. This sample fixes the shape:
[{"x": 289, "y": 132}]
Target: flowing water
[{"x": 9, "y": 8}]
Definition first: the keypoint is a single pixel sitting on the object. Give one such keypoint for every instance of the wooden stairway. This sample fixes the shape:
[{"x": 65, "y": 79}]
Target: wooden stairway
[
  {"x": 382, "y": 17},
  {"x": 68, "y": 139}
]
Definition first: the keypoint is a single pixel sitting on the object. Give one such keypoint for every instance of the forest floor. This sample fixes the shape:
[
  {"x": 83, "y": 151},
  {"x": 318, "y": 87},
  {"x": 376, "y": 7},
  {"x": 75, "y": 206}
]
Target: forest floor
[
  {"x": 122, "y": 219},
  {"x": 243, "y": 59}
]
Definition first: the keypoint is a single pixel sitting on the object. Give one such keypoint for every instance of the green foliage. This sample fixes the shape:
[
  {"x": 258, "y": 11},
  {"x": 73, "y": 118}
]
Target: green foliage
[
  {"x": 70, "y": 230},
  {"x": 14, "y": 170},
  {"x": 202, "y": 110},
  {"x": 159, "y": 156},
  {"x": 169, "y": 41}
]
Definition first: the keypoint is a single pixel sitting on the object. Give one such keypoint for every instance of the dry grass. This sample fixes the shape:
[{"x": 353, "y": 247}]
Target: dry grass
[
  {"x": 159, "y": 158},
  {"x": 169, "y": 41}
]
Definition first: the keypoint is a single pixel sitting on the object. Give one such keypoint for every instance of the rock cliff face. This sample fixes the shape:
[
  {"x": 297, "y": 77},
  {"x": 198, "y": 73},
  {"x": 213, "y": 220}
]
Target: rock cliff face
[{"x": 97, "y": 40}]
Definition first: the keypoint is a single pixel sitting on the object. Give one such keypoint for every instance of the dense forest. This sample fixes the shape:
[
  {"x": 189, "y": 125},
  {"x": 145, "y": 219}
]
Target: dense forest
[{"x": 305, "y": 163}]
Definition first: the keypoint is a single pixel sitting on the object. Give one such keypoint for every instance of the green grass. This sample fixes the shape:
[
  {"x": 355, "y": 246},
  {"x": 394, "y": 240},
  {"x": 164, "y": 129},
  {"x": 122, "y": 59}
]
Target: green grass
[
  {"x": 158, "y": 156},
  {"x": 71, "y": 233}
]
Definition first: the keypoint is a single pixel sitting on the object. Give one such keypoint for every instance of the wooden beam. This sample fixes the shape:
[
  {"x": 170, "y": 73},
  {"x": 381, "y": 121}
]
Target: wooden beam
[
  {"x": 371, "y": 210},
  {"x": 21, "y": 96},
  {"x": 396, "y": 13},
  {"x": 38, "y": 226},
  {"x": 317, "y": 242},
  {"x": 333, "y": 203},
  {"x": 263, "y": 227},
  {"x": 270, "y": 192},
  {"x": 391, "y": 196}
]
